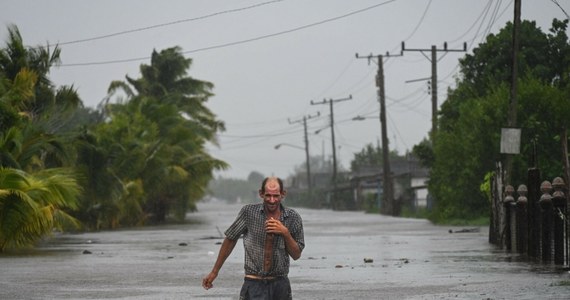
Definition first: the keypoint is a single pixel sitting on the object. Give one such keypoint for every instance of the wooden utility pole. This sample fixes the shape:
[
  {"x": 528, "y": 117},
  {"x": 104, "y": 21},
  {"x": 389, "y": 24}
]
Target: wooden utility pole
[
  {"x": 307, "y": 156},
  {"x": 514, "y": 70},
  {"x": 513, "y": 104},
  {"x": 387, "y": 184},
  {"x": 433, "y": 60},
  {"x": 334, "y": 175}
]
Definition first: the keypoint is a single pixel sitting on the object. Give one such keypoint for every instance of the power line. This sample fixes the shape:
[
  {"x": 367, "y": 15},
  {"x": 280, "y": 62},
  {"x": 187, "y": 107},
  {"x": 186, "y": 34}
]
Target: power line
[
  {"x": 417, "y": 26},
  {"x": 486, "y": 13},
  {"x": 492, "y": 20},
  {"x": 558, "y": 4},
  {"x": 411, "y": 107},
  {"x": 262, "y": 37},
  {"x": 254, "y": 136},
  {"x": 165, "y": 24},
  {"x": 353, "y": 89},
  {"x": 240, "y": 143},
  {"x": 330, "y": 102},
  {"x": 350, "y": 62},
  {"x": 433, "y": 79},
  {"x": 419, "y": 23},
  {"x": 359, "y": 84},
  {"x": 474, "y": 23},
  {"x": 397, "y": 133}
]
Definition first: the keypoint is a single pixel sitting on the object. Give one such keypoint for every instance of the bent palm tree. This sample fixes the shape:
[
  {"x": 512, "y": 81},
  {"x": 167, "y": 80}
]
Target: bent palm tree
[
  {"x": 170, "y": 124},
  {"x": 31, "y": 206}
]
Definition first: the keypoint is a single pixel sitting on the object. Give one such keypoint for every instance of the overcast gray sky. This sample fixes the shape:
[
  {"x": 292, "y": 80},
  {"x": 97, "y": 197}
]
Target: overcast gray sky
[{"x": 269, "y": 59}]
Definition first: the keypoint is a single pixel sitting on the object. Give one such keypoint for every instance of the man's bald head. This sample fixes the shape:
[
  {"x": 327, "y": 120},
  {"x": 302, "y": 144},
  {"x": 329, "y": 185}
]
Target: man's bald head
[{"x": 272, "y": 183}]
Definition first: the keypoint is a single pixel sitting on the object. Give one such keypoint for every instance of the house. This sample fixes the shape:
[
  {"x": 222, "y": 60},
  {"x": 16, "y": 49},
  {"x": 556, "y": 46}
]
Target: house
[
  {"x": 362, "y": 189},
  {"x": 409, "y": 184}
]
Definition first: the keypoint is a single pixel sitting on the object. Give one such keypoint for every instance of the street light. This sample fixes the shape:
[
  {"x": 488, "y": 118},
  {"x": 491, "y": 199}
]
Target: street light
[
  {"x": 362, "y": 118},
  {"x": 308, "y": 166},
  {"x": 321, "y": 129},
  {"x": 287, "y": 144},
  {"x": 387, "y": 180}
]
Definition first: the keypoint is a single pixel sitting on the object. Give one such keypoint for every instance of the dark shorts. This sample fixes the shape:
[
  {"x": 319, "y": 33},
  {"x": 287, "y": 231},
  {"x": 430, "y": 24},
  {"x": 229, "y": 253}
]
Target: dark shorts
[{"x": 261, "y": 289}]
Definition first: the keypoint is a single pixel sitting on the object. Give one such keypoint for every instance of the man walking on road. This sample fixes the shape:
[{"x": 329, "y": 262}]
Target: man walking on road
[{"x": 271, "y": 233}]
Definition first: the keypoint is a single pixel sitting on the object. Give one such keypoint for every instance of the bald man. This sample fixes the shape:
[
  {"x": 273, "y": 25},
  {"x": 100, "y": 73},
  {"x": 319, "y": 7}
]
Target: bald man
[{"x": 271, "y": 234}]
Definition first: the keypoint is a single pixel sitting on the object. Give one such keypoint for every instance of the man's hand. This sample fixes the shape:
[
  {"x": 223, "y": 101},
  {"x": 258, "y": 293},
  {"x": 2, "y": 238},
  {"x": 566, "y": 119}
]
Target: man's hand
[
  {"x": 208, "y": 281},
  {"x": 275, "y": 226}
]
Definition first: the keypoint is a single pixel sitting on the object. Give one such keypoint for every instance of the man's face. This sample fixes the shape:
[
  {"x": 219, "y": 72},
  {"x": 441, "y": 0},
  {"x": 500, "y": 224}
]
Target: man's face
[{"x": 272, "y": 195}]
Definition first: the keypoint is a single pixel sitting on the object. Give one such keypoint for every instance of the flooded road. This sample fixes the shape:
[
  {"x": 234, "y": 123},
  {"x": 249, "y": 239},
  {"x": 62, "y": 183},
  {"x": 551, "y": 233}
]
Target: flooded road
[{"x": 405, "y": 259}]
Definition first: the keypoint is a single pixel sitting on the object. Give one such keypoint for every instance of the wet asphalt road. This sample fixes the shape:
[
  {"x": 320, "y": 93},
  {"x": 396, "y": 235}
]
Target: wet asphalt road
[{"x": 411, "y": 259}]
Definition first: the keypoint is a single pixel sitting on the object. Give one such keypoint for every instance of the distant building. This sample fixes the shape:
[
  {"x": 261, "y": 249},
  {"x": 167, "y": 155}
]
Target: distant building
[{"x": 357, "y": 189}]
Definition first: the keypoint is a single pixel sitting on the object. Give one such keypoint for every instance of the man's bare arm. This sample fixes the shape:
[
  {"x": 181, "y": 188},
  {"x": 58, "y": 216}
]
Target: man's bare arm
[
  {"x": 225, "y": 251},
  {"x": 292, "y": 246}
]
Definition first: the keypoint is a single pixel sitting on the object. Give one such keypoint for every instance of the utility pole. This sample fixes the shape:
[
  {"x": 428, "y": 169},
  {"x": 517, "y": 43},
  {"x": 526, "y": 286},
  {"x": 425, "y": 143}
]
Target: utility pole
[
  {"x": 331, "y": 102},
  {"x": 307, "y": 156},
  {"x": 433, "y": 60},
  {"x": 387, "y": 185},
  {"x": 513, "y": 105}
]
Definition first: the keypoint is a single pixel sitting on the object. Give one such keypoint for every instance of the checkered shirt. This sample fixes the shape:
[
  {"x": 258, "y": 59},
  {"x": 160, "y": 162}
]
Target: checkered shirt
[{"x": 250, "y": 223}]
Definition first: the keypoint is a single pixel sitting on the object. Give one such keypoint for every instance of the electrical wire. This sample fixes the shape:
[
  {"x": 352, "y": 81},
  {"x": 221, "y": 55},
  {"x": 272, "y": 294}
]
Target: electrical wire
[
  {"x": 408, "y": 106},
  {"x": 395, "y": 128},
  {"x": 416, "y": 28},
  {"x": 419, "y": 22},
  {"x": 224, "y": 45},
  {"x": 486, "y": 12},
  {"x": 243, "y": 141},
  {"x": 558, "y": 4},
  {"x": 261, "y": 135},
  {"x": 492, "y": 20},
  {"x": 350, "y": 63},
  {"x": 165, "y": 24},
  {"x": 473, "y": 24},
  {"x": 359, "y": 85},
  {"x": 415, "y": 101},
  {"x": 470, "y": 46}
]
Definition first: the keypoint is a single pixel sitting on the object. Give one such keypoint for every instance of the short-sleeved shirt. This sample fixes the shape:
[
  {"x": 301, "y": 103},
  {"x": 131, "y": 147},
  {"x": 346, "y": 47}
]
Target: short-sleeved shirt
[{"x": 250, "y": 223}]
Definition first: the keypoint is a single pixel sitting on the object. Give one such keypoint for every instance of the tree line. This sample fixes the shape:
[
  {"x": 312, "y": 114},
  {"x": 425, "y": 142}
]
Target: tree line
[
  {"x": 466, "y": 146},
  {"x": 138, "y": 158}
]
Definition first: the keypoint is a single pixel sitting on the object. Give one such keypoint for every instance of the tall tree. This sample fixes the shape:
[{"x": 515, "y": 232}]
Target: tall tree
[
  {"x": 371, "y": 156},
  {"x": 35, "y": 193},
  {"x": 475, "y": 111},
  {"x": 174, "y": 125},
  {"x": 33, "y": 105},
  {"x": 15, "y": 57}
]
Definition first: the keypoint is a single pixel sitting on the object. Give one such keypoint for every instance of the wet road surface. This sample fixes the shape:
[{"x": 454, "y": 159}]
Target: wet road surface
[{"x": 407, "y": 259}]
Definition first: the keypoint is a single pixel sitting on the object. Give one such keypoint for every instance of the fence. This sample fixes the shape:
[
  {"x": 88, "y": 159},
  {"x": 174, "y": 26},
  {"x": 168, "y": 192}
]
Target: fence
[{"x": 533, "y": 220}]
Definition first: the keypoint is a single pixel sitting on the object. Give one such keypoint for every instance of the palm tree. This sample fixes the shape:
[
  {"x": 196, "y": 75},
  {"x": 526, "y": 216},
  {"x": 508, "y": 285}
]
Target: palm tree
[
  {"x": 34, "y": 190},
  {"x": 16, "y": 57},
  {"x": 101, "y": 187},
  {"x": 165, "y": 82},
  {"x": 13, "y": 96},
  {"x": 174, "y": 124},
  {"x": 31, "y": 206}
]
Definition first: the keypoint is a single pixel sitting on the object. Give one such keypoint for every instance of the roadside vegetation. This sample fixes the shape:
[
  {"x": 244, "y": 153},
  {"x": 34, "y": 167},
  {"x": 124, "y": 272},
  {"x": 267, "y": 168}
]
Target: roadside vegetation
[
  {"x": 467, "y": 142},
  {"x": 138, "y": 158}
]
